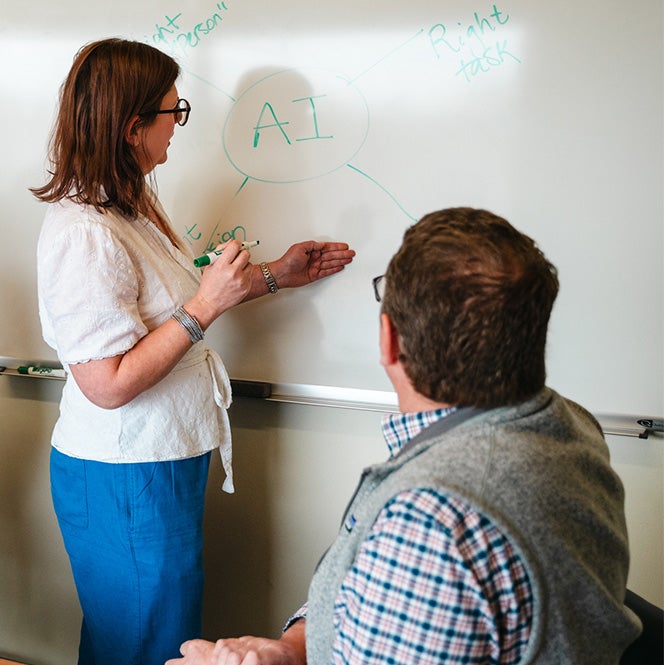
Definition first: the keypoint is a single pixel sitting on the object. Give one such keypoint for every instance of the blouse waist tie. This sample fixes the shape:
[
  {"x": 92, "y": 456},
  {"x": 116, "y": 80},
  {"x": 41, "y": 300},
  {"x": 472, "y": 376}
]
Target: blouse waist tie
[{"x": 222, "y": 393}]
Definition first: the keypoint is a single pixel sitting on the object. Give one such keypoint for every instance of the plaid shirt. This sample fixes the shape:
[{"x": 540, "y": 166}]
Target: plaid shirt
[{"x": 434, "y": 582}]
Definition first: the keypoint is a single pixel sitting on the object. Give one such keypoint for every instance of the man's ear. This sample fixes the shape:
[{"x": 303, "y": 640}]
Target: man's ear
[
  {"x": 131, "y": 133},
  {"x": 389, "y": 342}
]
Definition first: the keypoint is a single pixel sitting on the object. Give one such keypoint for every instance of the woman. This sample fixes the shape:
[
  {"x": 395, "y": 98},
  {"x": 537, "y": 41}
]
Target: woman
[{"x": 145, "y": 400}]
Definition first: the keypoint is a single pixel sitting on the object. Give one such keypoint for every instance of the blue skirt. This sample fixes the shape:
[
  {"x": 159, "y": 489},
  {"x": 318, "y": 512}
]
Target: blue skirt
[{"x": 134, "y": 536}]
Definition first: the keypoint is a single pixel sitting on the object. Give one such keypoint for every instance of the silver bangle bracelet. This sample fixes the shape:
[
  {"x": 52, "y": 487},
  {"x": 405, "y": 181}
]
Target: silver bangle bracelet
[
  {"x": 269, "y": 278},
  {"x": 189, "y": 323}
]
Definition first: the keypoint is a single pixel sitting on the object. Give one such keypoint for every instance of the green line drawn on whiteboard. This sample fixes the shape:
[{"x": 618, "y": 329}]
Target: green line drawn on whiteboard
[
  {"x": 209, "y": 83},
  {"x": 295, "y": 125},
  {"x": 271, "y": 155},
  {"x": 387, "y": 55},
  {"x": 308, "y": 163},
  {"x": 241, "y": 187},
  {"x": 193, "y": 235},
  {"x": 350, "y": 166}
]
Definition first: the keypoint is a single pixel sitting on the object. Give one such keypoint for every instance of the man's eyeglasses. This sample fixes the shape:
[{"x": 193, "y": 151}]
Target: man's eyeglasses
[
  {"x": 379, "y": 287},
  {"x": 181, "y": 112}
]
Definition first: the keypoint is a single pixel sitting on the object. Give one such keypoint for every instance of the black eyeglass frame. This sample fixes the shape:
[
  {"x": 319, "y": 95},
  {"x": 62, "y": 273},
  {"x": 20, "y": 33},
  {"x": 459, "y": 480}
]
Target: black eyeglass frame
[
  {"x": 376, "y": 282},
  {"x": 184, "y": 112}
]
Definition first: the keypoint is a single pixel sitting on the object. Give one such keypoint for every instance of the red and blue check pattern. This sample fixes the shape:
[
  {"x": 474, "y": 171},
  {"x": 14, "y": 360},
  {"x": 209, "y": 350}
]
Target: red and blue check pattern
[{"x": 434, "y": 582}]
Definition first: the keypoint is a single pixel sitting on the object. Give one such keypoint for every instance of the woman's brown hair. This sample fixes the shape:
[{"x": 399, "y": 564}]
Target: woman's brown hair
[{"x": 110, "y": 82}]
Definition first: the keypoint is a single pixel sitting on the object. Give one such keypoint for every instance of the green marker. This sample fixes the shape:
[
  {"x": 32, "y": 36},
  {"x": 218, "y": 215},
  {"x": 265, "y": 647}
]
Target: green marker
[
  {"x": 211, "y": 257},
  {"x": 42, "y": 371}
]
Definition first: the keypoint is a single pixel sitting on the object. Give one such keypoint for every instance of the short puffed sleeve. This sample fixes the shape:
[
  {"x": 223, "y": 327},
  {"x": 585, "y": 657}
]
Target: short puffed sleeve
[{"x": 88, "y": 292}]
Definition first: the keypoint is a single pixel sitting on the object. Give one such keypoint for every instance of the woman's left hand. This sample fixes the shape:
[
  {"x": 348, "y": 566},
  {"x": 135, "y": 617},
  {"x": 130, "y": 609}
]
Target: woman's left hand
[{"x": 308, "y": 261}]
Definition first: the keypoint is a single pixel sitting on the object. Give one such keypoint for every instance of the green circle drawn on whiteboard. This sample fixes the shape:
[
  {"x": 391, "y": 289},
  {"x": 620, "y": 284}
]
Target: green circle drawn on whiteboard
[{"x": 295, "y": 125}]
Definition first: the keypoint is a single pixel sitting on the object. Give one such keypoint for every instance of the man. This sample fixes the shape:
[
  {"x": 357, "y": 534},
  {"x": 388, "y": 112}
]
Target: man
[{"x": 495, "y": 532}]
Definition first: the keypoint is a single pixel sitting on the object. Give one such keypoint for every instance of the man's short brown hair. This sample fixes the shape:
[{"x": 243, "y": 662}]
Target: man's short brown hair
[{"x": 470, "y": 298}]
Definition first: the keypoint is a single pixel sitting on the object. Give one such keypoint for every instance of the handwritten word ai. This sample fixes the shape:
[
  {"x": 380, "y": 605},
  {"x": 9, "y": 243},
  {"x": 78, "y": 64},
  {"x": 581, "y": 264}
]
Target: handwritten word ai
[
  {"x": 477, "y": 44},
  {"x": 267, "y": 108}
]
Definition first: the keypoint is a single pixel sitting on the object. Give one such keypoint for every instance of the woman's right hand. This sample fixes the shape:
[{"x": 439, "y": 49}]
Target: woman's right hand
[
  {"x": 113, "y": 382},
  {"x": 225, "y": 283}
]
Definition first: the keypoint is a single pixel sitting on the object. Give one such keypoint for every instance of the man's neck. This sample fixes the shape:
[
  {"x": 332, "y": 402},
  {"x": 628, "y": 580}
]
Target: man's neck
[{"x": 410, "y": 401}]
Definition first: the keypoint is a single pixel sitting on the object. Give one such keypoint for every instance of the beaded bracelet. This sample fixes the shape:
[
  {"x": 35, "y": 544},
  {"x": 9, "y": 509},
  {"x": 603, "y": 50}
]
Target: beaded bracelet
[
  {"x": 189, "y": 323},
  {"x": 269, "y": 278}
]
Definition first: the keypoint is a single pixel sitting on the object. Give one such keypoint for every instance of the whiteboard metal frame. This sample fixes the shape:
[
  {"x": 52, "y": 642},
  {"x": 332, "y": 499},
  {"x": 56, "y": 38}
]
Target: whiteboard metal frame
[{"x": 355, "y": 399}]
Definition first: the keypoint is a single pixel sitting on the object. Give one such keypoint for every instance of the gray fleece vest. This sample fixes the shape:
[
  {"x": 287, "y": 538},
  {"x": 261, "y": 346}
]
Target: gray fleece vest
[{"x": 540, "y": 471}]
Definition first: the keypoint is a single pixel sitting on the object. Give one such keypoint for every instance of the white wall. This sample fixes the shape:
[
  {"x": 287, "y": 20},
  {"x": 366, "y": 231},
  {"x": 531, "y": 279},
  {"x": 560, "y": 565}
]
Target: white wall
[{"x": 295, "y": 468}]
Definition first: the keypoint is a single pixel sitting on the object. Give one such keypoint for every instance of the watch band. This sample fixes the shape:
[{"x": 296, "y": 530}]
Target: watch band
[{"x": 269, "y": 278}]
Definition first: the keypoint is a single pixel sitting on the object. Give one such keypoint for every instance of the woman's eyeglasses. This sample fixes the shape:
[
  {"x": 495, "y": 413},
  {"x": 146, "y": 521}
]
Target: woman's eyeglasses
[{"x": 181, "y": 112}]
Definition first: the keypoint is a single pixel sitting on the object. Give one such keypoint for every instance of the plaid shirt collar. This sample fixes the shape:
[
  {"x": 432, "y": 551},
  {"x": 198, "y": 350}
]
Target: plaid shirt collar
[{"x": 400, "y": 428}]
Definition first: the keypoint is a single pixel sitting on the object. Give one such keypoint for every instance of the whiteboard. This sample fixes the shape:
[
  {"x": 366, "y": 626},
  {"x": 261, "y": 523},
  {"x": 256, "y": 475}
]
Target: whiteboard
[{"x": 350, "y": 120}]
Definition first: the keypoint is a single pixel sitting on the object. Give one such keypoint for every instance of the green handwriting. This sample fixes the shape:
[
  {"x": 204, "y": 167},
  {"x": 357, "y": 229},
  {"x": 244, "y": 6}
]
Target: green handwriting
[
  {"x": 171, "y": 36},
  {"x": 474, "y": 43}
]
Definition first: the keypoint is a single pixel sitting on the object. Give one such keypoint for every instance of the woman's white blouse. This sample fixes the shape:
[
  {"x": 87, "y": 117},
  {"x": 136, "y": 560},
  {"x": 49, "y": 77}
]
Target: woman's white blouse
[{"x": 104, "y": 282}]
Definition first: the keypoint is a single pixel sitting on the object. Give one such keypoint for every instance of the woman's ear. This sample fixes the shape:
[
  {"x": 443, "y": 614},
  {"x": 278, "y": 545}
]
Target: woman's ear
[{"x": 132, "y": 134}]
